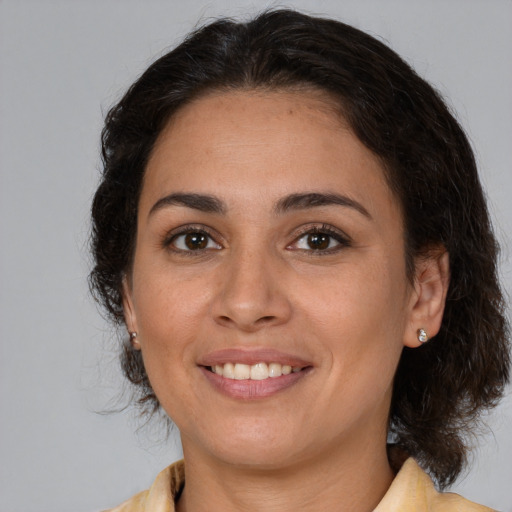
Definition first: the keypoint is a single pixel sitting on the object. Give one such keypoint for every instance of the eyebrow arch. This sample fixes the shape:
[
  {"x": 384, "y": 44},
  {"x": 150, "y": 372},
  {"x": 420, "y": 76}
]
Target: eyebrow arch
[
  {"x": 314, "y": 199},
  {"x": 203, "y": 203}
]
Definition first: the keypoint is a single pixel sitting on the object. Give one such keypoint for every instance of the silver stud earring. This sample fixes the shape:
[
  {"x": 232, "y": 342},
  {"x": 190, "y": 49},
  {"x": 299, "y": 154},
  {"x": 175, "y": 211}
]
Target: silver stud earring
[
  {"x": 422, "y": 335},
  {"x": 133, "y": 339}
]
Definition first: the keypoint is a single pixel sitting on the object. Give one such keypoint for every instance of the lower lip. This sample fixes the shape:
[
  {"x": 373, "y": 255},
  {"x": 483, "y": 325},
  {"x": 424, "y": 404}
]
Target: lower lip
[{"x": 253, "y": 389}]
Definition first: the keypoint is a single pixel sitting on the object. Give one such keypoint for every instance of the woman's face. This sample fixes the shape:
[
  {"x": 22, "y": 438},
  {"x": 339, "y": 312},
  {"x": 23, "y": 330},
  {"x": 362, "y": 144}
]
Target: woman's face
[{"x": 267, "y": 234}]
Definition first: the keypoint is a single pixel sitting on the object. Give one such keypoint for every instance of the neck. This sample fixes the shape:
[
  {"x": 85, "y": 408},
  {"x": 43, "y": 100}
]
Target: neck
[{"x": 354, "y": 480}]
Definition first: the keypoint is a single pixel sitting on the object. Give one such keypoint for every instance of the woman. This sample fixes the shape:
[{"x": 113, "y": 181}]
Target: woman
[{"x": 291, "y": 227}]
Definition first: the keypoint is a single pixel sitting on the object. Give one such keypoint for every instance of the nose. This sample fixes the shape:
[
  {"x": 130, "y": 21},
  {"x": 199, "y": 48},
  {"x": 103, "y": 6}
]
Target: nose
[{"x": 253, "y": 294}]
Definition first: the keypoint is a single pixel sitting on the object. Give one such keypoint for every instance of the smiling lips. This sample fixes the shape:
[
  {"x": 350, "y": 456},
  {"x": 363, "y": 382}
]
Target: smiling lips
[
  {"x": 253, "y": 374},
  {"x": 258, "y": 371}
]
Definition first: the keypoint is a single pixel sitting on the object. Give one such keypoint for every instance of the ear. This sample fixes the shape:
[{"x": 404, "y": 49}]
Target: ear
[
  {"x": 431, "y": 281},
  {"x": 129, "y": 313}
]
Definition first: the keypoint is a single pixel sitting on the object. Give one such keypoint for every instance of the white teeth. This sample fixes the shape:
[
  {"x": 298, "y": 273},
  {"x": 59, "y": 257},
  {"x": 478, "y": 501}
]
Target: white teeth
[
  {"x": 286, "y": 369},
  {"x": 228, "y": 371},
  {"x": 275, "y": 370},
  {"x": 242, "y": 371},
  {"x": 259, "y": 371}
]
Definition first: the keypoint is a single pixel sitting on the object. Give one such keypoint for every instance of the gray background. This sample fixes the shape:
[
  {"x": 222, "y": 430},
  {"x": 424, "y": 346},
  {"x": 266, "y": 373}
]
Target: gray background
[{"x": 62, "y": 64}]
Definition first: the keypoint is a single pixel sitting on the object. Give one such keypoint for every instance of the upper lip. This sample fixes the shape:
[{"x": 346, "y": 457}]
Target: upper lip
[{"x": 251, "y": 356}]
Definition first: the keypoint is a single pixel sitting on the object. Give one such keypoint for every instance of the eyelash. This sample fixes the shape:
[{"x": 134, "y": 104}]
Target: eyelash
[
  {"x": 171, "y": 238},
  {"x": 342, "y": 240}
]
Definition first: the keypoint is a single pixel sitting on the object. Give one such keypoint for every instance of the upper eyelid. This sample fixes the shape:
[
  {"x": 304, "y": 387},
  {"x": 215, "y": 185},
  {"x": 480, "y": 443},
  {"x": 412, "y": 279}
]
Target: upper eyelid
[
  {"x": 297, "y": 233},
  {"x": 343, "y": 240},
  {"x": 191, "y": 228},
  {"x": 322, "y": 228}
]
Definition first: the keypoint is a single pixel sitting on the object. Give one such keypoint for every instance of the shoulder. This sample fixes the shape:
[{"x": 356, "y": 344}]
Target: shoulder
[
  {"x": 412, "y": 490},
  {"x": 160, "y": 497},
  {"x": 136, "y": 503}
]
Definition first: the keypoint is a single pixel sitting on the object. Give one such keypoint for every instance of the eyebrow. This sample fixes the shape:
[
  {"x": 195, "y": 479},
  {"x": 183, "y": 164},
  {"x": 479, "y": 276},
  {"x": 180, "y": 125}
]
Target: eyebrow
[
  {"x": 211, "y": 204},
  {"x": 201, "y": 202},
  {"x": 315, "y": 199}
]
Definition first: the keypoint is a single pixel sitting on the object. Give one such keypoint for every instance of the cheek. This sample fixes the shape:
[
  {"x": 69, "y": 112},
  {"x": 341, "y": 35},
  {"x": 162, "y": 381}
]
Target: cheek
[
  {"x": 170, "y": 314},
  {"x": 357, "y": 297},
  {"x": 165, "y": 299},
  {"x": 358, "y": 316},
  {"x": 168, "y": 326}
]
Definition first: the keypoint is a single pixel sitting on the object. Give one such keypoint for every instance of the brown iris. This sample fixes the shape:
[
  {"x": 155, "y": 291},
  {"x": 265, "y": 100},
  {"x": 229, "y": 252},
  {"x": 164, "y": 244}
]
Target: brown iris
[
  {"x": 318, "y": 241},
  {"x": 196, "y": 241}
]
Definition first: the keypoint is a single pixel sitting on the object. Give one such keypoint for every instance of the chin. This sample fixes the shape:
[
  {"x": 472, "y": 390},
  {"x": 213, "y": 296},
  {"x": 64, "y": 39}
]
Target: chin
[
  {"x": 257, "y": 457},
  {"x": 257, "y": 445}
]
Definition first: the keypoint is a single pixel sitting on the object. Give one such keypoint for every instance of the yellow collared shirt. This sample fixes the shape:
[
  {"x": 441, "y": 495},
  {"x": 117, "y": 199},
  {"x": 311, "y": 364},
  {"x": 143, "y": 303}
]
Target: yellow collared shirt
[{"x": 412, "y": 490}]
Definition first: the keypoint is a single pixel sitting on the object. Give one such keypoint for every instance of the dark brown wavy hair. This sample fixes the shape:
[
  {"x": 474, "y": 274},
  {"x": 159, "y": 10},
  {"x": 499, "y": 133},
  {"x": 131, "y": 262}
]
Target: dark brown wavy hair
[{"x": 440, "y": 388}]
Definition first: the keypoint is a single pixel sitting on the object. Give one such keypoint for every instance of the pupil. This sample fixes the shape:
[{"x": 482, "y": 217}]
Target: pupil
[
  {"x": 196, "y": 241},
  {"x": 318, "y": 241}
]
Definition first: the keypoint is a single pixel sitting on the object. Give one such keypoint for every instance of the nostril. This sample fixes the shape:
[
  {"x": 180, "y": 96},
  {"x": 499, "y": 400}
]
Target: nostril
[
  {"x": 226, "y": 320},
  {"x": 265, "y": 319}
]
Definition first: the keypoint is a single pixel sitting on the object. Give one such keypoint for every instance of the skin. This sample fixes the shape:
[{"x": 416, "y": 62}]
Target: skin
[{"x": 347, "y": 310}]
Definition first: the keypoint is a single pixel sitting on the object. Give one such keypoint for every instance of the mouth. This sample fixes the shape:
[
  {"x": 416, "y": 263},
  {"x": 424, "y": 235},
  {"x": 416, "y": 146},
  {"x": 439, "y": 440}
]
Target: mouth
[
  {"x": 258, "y": 371},
  {"x": 253, "y": 374}
]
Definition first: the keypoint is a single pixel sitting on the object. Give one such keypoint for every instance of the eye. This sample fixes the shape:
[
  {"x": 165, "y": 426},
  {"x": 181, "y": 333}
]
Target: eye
[
  {"x": 192, "y": 240},
  {"x": 317, "y": 242},
  {"x": 320, "y": 239}
]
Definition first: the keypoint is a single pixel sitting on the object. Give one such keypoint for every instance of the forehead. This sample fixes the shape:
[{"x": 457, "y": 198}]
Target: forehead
[{"x": 262, "y": 143}]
